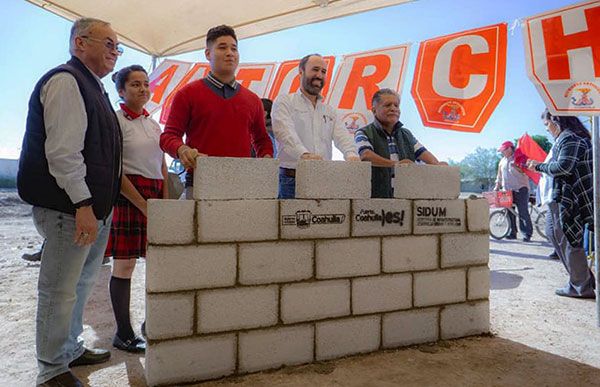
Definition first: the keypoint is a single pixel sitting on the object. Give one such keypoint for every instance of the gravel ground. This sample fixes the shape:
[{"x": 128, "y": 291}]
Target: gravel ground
[{"x": 538, "y": 339}]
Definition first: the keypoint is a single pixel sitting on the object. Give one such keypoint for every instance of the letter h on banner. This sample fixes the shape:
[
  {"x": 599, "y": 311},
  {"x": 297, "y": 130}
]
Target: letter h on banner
[{"x": 562, "y": 48}]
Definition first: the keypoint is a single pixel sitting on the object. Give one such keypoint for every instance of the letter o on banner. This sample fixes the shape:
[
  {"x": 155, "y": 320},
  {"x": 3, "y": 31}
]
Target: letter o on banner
[{"x": 459, "y": 78}]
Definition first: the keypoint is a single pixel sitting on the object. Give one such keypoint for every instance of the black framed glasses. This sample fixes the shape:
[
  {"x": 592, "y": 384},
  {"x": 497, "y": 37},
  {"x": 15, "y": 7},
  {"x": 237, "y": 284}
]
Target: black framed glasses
[{"x": 107, "y": 43}]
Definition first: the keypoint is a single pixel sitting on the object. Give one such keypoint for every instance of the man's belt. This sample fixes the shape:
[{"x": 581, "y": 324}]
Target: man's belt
[{"x": 288, "y": 172}]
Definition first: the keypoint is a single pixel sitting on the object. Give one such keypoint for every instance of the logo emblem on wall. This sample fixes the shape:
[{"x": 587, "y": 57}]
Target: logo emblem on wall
[
  {"x": 353, "y": 121},
  {"x": 383, "y": 217},
  {"x": 580, "y": 93},
  {"x": 451, "y": 111},
  {"x": 304, "y": 218}
]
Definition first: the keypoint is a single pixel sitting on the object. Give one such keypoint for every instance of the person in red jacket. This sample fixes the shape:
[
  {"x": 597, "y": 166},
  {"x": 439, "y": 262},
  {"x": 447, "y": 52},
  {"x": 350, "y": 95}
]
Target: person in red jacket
[{"x": 218, "y": 116}]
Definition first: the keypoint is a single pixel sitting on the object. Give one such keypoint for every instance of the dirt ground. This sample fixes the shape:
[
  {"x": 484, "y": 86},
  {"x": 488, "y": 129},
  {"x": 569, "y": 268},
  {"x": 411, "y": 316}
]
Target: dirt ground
[{"x": 538, "y": 339}]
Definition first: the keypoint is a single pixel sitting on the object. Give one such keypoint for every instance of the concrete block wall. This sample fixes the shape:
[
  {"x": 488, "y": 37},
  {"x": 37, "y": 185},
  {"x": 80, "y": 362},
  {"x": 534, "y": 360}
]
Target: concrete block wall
[{"x": 256, "y": 284}]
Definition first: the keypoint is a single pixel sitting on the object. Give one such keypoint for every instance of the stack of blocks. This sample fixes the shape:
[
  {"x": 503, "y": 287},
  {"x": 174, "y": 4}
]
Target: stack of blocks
[{"x": 238, "y": 281}]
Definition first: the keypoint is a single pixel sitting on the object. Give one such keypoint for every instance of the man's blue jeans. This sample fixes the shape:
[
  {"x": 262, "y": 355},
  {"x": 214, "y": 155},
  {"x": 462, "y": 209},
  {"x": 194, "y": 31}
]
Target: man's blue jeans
[
  {"x": 67, "y": 275},
  {"x": 521, "y": 200},
  {"x": 287, "y": 186}
]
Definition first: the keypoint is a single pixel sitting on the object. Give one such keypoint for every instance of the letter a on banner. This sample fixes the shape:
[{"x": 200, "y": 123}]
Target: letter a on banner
[
  {"x": 459, "y": 78},
  {"x": 287, "y": 80},
  {"x": 198, "y": 70},
  {"x": 163, "y": 81},
  {"x": 360, "y": 75},
  {"x": 563, "y": 58}
]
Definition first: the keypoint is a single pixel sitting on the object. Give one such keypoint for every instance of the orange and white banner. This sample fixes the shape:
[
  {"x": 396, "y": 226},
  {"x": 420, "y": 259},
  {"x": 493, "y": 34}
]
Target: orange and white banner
[
  {"x": 256, "y": 76},
  {"x": 163, "y": 80},
  {"x": 360, "y": 75},
  {"x": 563, "y": 58},
  {"x": 459, "y": 78},
  {"x": 287, "y": 80}
]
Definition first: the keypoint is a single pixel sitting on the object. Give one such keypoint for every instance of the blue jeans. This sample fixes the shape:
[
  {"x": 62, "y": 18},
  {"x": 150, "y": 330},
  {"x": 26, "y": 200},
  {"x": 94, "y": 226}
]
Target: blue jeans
[
  {"x": 521, "y": 200},
  {"x": 67, "y": 275},
  {"x": 287, "y": 186}
]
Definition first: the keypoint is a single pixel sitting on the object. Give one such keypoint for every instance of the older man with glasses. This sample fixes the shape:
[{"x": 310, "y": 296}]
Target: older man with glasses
[{"x": 69, "y": 170}]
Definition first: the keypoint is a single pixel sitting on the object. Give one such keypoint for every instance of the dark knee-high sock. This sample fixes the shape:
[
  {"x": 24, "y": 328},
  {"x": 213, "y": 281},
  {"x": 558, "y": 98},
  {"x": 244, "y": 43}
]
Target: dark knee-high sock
[{"x": 120, "y": 293}]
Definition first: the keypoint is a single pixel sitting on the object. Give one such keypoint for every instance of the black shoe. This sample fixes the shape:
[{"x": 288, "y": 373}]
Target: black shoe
[
  {"x": 511, "y": 237},
  {"x": 553, "y": 256},
  {"x": 527, "y": 239},
  {"x": 35, "y": 257},
  {"x": 91, "y": 356},
  {"x": 66, "y": 379},
  {"x": 564, "y": 292},
  {"x": 135, "y": 345}
]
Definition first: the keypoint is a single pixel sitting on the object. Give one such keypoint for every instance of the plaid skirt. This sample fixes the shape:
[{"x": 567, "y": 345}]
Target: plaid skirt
[{"x": 128, "y": 231}]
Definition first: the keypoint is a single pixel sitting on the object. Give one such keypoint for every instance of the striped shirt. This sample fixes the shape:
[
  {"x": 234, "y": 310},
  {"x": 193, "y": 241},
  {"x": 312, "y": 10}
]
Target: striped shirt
[
  {"x": 362, "y": 143},
  {"x": 225, "y": 90}
]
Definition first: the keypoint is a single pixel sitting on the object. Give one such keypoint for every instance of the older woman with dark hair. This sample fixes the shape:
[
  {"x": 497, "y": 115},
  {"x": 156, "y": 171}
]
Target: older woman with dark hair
[
  {"x": 572, "y": 198},
  {"x": 144, "y": 177}
]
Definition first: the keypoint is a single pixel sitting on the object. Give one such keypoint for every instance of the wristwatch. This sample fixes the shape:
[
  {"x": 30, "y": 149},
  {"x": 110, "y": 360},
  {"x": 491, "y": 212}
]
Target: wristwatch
[{"x": 84, "y": 203}]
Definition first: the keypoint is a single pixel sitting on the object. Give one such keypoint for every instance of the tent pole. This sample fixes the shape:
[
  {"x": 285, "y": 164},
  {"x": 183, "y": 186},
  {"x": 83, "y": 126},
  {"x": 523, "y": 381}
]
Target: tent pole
[
  {"x": 153, "y": 64},
  {"x": 596, "y": 155}
]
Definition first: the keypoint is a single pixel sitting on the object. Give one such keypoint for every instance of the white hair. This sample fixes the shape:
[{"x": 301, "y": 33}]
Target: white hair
[{"x": 82, "y": 27}]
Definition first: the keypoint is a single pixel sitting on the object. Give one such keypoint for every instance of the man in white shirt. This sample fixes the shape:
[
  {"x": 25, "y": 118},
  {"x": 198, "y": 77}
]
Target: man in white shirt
[
  {"x": 511, "y": 177},
  {"x": 304, "y": 126}
]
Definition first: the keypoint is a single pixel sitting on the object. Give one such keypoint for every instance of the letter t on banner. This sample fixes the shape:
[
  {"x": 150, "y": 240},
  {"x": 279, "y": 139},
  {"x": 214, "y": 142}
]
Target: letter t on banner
[
  {"x": 459, "y": 78},
  {"x": 563, "y": 58},
  {"x": 359, "y": 76}
]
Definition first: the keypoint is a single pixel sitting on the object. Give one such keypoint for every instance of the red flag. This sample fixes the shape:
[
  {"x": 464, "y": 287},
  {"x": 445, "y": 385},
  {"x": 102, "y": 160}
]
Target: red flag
[{"x": 527, "y": 149}]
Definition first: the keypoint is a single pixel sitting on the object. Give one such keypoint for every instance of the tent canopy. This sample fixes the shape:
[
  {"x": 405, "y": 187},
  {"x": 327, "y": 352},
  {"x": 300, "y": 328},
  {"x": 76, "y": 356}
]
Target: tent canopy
[{"x": 162, "y": 28}]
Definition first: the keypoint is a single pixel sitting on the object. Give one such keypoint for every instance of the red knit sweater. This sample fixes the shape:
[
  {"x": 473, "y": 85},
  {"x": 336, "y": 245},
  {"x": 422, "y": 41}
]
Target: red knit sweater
[{"x": 214, "y": 125}]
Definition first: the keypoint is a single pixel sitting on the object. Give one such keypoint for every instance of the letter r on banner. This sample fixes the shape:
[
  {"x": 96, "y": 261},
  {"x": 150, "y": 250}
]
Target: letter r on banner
[{"x": 359, "y": 76}]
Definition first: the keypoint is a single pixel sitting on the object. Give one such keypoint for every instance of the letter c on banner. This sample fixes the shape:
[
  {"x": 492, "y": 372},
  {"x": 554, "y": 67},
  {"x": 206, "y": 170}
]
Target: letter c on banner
[
  {"x": 443, "y": 69},
  {"x": 459, "y": 78}
]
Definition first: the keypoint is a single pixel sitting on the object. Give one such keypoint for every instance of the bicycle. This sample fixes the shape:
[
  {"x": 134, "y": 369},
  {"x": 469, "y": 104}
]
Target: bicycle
[{"x": 501, "y": 204}]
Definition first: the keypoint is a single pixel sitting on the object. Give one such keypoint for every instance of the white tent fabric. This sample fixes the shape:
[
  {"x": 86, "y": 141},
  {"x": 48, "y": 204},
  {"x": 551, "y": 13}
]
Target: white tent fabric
[{"x": 162, "y": 28}]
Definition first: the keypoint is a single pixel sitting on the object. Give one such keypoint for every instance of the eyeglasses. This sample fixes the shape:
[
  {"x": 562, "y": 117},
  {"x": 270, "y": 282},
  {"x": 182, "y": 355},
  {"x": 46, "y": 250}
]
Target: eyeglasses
[{"x": 108, "y": 44}]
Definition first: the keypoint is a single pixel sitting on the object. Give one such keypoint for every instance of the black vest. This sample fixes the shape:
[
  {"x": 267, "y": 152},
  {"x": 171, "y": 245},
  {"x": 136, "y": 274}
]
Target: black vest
[
  {"x": 381, "y": 177},
  {"x": 101, "y": 152}
]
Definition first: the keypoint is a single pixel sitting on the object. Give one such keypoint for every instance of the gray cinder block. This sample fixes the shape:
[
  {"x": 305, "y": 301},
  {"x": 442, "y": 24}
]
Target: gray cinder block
[
  {"x": 381, "y": 217},
  {"x": 413, "y": 181},
  {"x": 226, "y": 178},
  {"x": 320, "y": 179}
]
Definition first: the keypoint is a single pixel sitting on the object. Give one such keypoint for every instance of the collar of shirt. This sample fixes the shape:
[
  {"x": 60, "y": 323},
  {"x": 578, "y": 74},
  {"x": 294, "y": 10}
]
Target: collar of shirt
[
  {"x": 212, "y": 79},
  {"x": 378, "y": 125},
  {"x": 97, "y": 78},
  {"x": 319, "y": 97},
  {"x": 130, "y": 114}
]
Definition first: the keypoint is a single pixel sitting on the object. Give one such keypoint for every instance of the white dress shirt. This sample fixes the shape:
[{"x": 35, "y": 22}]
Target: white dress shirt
[
  {"x": 301, "y": 128},
  {"x": 545, "y": 183},
  {"x": 141, "y": 153},
  {"x": 65, "y": 121}
]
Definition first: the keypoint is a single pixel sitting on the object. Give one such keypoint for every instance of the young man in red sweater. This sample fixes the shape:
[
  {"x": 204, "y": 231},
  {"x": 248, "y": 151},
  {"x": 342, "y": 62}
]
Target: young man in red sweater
[{"x": 218, "y": 116}]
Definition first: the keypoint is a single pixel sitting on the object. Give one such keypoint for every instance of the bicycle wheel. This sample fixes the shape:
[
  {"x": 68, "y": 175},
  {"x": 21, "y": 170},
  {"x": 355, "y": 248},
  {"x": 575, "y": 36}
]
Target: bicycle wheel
[
  {"x": 540, "y": 223},
  {"x": 499, "y": 224}
]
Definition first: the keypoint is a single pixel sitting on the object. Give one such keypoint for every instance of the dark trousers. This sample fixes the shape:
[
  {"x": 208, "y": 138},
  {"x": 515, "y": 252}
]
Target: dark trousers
[
  {"x": 581, "y": 280},
  {"x": 521, "y": 199}
]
